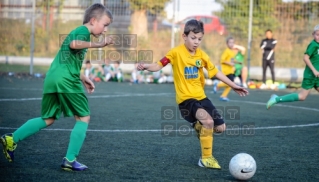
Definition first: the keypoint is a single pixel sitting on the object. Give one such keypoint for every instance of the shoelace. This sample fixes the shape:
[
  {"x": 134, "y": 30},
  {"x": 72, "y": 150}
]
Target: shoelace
[
  {"x": 212, "y": 160},
  {"x": 11, "y": 146}
]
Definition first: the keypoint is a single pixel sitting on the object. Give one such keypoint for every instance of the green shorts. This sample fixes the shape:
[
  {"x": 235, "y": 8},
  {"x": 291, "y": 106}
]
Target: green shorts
[
  {"x": 238, "y": 68},
  {"x": 70, "y": 104},
  {"x": 309, "y": 83}
]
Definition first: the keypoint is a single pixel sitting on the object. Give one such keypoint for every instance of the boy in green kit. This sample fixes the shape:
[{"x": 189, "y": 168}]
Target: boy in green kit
[
  {"x": 310, "y": 76},
  {"x": 63, "y": 91}
]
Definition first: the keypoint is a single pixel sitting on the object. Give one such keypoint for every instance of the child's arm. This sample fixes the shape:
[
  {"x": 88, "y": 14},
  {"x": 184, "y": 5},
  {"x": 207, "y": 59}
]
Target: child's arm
[
  {"x": 89, "y": 85},
  {"x": 149, "y": 67},
  {"x": 228, "y": 63},
  {"x": 309, "y": 64},
  {"x": 239, "y": 90},
  {"x": 79, "y": 44},
  {"x": 242, "y": 49}
]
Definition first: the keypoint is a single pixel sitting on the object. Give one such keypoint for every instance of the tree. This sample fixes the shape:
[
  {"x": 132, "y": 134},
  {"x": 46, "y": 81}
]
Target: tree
[
  {"x": 140, "y": 10},
  {"x": 235, "y": 13}
]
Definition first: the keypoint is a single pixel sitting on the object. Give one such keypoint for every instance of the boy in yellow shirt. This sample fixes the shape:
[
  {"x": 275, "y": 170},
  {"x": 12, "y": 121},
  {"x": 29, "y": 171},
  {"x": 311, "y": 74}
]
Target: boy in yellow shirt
[
  {"x": 227, "y": 66},
  {"x": 188, "y": 61}
]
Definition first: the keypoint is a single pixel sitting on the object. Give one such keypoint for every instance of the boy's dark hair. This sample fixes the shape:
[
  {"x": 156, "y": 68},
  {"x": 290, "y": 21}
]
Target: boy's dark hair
[
  {"x": 87, "y": 62},
  {"x": 268, "y": 30},
  {"x": 96, "y": 10},
  {"x": 193, "y": 26}
]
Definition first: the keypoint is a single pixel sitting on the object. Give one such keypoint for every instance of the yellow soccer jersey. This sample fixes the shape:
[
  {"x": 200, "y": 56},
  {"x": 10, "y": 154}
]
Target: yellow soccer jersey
[
  {"x": 227, "y": 55},
  {"x": 189, "y": 79}
]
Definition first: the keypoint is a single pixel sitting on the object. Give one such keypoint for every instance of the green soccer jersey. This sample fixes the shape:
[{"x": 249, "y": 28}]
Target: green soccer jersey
[
  {"x": 64, "y": 73},
  {"x": 313, "y": 53}
]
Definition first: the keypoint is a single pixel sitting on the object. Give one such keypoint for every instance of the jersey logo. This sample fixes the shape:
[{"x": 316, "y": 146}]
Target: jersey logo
[
  {"x": 198, "y": 63},
  {"x": 191, "y": 72}
]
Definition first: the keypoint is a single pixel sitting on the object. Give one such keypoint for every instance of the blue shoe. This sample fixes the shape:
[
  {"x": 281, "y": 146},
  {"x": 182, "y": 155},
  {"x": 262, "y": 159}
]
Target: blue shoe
[
  {"x": 215, "y": 86},
  {"x": 225, "y": 99},
  {"x": 272, "y": 101},
  {"x": 72, "y": 165},
  {"x": 8, "y": 146}
]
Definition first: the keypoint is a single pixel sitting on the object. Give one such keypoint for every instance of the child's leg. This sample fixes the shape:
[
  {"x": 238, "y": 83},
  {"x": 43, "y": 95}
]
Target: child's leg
[
  {"x": 206, "y": 133},
  {"x": 77, "y": 137},
  {"x": 288, "y": 98},
  {"x": 119, "y": 77},
  {"x": 31, "y": 127},
  {"x": 226, "y": 92},
  {"x": 134, "y": 76},
  {"x": 222, "y": 84},
  {"x": 206, "y": 139},
  {"x": 108, "y": 76},
  {"x": 294, "y": 96},
  {"x": 244, "y": 75}
]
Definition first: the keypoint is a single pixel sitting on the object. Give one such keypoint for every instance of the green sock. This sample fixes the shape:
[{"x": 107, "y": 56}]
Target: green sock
[
  {"x": 29, "y": 128},
  {"x": 288, "y": 98},
  {"x": 76, "y": 140}
]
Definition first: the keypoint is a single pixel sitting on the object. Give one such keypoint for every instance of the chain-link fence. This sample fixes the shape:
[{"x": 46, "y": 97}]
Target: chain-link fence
[{"x": 152, "y": 21}]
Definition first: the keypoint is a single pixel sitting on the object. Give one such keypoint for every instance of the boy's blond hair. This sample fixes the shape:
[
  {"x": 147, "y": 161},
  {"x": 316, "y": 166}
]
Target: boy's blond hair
[{"x": 316, "y": 28}]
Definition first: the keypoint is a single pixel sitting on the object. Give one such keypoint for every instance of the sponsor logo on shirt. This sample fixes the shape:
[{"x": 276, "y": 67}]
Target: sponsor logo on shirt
[
  {"x": 198, "y": 63},
  {"x": 191, "y": 72}
]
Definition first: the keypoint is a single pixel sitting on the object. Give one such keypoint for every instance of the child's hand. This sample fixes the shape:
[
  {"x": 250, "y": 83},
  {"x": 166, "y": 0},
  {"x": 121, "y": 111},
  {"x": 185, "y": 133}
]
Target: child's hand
[
  {"x": 316, "y": 73},
  {"x": 89, "y": 85},
  {"x": 240, "y": 91},
  {"x": 141, "y": 67},
  {"x": 108, "y": 40}
]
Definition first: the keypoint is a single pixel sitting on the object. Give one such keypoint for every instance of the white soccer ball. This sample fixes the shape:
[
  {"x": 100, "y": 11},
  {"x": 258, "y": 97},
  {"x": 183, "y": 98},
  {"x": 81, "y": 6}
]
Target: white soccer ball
[{"x": 242, "y": 166}]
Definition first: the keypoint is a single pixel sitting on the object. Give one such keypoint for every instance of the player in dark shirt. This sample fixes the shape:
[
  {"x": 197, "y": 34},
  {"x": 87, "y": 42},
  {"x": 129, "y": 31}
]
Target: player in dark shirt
[{"x": 268, "y": 45}]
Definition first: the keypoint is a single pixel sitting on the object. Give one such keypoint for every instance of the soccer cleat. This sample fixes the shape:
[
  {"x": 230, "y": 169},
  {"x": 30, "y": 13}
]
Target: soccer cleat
[
  {"x": 8, "y": 146},
  {"x": 225, "y": 99},
  {"x": 210, "y": 162},
  {"x": 72, "y": 165},
  {"x": 272, "y": 101}
]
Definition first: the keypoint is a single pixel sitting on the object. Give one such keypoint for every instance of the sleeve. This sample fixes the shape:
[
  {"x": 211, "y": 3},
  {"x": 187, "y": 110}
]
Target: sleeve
[
  {"x": 169, "y": 58},
  {"x": 262, "y": 44},
  {"x": 210, "y": 67},
  {"x": 270, "y": 44},
  {"x": 273, "y": 43},
  {"x": 310, "y": 49},
  {"x": 81, "y": 34}
]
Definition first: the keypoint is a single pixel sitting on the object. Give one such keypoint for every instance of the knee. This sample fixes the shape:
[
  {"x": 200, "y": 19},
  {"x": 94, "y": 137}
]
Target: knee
[
  {"x": 84, "y": 118},
  {"x": 49, "y": 121},
  {"x": 302, "y": 97},
  {"x": 208, "y": 123},
  {"x": 220, "y": 128}
]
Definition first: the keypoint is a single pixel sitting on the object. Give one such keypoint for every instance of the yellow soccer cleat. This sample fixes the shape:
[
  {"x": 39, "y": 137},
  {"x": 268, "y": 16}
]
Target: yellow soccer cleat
[
  {"x": 210, "y": 162},
  {"x": 8, "y": 146}
]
